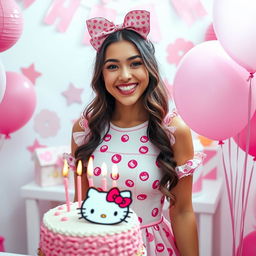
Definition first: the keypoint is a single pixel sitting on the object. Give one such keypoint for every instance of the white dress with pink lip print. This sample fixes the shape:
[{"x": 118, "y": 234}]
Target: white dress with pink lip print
[{"x": 135, "y": 157}]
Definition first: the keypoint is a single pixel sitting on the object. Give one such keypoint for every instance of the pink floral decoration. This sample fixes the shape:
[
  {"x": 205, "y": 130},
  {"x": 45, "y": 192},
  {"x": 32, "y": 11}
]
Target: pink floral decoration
[
  {"x": 210, "y": 33},
  {"x": 47, "y": 123},
  {"x": 177, "y": 50}
]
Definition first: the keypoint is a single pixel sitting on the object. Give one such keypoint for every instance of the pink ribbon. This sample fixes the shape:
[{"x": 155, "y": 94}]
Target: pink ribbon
[
  {"x": 100, "y": 28},
  {"x": 114, "y": 196}
]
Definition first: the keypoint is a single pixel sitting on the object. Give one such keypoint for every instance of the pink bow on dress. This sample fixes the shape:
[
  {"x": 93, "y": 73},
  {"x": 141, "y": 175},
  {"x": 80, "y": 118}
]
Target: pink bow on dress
[
  {"x": 100, "y": 28},
  {"x": 114, "y": 196}
]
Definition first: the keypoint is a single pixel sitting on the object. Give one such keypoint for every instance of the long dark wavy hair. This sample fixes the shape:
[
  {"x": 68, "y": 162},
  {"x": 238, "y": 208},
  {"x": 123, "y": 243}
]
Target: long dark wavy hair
[{"x": 155, "y": 100}]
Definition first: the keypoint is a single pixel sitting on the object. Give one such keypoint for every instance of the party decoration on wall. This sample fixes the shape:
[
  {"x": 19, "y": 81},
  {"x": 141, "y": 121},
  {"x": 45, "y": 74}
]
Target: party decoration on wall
[
  {"x": 18, "y": 103},
  {"x": 210, "y": 33},
  {"x": 177, "y": 50},
  {"x": 60, "y": 10},
  {"x": 155, "y": 31},
  {"x": 31, "y": 73},
  {"x": 34, "y": 146},
  {"x": 189, "y": 10},
  {"x": 241, "y": 137},
  {"x": 234, "y": 21},
  {"x": 211, "y": 92},
  {"x": 27, "y": 3},
  {"x": 2, "y": 81},
  {"x": 73, "y": 94},
  {"x": 11, "y": 24},
  {"x": 47, "y": 123},
  {"x": 100, "y": 11}
]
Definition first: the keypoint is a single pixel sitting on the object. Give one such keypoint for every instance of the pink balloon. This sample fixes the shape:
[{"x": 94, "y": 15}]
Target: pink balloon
[
  {"x": 211, "y": 92},
  {"x": 18, "y": 103},
  {"x": 242, "y": 138},
  {"x": 234, "y": 24},
  {"x": 11, "y": 24},
  {"x": 249, "y": 244}
]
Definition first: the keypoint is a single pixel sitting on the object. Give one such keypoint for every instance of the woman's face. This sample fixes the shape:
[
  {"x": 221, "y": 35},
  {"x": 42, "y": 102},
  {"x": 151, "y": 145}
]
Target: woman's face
[{"x": 125, "y": 75}]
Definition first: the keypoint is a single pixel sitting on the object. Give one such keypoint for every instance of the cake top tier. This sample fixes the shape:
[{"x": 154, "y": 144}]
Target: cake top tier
[{"x": 60, "y": 221}]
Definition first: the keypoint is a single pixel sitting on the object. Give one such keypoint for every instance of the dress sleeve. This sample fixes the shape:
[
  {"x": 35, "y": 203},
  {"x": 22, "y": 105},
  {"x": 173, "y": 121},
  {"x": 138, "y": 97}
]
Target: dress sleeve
[
  {"x": 82, "y": 137},
  {"x": 190, "y": 166}
]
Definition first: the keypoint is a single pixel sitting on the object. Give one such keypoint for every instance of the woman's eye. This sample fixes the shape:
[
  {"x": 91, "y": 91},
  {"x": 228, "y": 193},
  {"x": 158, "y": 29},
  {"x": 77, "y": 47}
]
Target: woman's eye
[
  {"x": 136, "y": 64},
  {"x": 112, "y": 66}
]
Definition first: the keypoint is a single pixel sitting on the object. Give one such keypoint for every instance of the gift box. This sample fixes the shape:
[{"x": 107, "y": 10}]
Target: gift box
[
  {"x": 49, "y": 165},
  {"x": 212, "y": 162},
  {"x": 210, "y": 166}
]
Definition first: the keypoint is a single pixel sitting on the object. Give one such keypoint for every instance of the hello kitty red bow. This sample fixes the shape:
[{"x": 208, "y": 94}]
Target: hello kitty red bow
[
  {"x": 114, "y": 196},
  {"x": 100, "y": 28}
]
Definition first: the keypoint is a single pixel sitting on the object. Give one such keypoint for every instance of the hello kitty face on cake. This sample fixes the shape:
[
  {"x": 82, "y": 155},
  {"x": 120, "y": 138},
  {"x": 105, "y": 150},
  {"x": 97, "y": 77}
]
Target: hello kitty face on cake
[{"x": 108, "y": 208}]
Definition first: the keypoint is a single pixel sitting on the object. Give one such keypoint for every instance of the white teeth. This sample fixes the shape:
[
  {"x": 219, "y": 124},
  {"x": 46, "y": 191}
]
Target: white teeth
[{"x": 127, "y": 87}]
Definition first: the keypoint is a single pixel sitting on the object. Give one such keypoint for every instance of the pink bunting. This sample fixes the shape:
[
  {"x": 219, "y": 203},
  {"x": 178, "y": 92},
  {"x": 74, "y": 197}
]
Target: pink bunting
[
  {"x": 27, "y": 3},
  {"x": 65, "y": 14},
  {"x": 189, "y": 10}
]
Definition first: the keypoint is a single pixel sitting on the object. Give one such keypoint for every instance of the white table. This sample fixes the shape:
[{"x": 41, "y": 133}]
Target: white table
[{"x": 205, "y": 206}]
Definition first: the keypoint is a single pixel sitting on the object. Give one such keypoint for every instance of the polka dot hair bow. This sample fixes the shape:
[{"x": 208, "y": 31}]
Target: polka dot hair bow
[{"x": 100, "y": 28}]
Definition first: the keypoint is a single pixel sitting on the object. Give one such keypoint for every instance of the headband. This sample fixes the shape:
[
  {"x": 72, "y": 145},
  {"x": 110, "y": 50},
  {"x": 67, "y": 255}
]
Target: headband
[{"x": 100, "y": 28}]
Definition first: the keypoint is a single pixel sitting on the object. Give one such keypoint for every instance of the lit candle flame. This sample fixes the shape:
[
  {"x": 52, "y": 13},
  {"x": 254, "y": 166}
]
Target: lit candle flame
[
  {"x": 79, "y": 168},
  {"x": 104, "y": 169},
  {"x": 65, "y": 168},
  {"x": 90, "y": 167},
  {"x": 114, "y": 171}
]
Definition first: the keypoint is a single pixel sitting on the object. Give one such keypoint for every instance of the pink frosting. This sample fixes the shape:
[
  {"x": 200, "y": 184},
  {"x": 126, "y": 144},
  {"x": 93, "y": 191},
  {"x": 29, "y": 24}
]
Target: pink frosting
[{"x": 125, "y": 243}]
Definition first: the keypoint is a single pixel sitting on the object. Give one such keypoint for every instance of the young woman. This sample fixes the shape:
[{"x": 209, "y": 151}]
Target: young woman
[{"x": 127, "y": 124}]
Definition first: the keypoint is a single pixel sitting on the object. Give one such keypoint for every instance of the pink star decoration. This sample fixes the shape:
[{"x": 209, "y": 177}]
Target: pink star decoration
[
  {"x": 73, "y": 94},
  {"x": 35, "y": 145},
  {"x": 31, "y": 73}
]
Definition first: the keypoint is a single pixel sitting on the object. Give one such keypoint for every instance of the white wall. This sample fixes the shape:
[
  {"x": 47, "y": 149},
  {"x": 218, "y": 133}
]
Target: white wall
[{"x": 62, "y": 59}]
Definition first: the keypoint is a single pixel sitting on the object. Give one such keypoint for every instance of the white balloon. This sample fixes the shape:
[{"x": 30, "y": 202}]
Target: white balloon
[
  {"x": 234, "y": 24},
  {"x": 2, "y": 82}
]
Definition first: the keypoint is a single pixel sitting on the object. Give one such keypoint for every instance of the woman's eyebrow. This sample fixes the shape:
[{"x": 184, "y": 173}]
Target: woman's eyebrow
[{"x": 116, "y": 60}]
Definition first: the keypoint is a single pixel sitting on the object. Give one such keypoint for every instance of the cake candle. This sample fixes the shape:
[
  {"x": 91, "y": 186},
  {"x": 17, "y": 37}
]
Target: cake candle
[
  {"x": 79, "y": 183},
  {"x": 104, "y": 174},
  {"x": 65, "y": 181},
  {"x": 90, "y": 172},
  {"x": 114, "y": 175}
]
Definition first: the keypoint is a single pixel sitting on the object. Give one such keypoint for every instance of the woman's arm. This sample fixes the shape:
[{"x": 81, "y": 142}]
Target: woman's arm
[
  {"x": 182, "y": 216},
  {"x": 74, "y": 146}
]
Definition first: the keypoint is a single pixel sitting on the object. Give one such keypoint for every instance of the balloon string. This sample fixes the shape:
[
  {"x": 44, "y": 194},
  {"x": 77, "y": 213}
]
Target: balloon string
[
  {"x": 229, "y": 198},
  {"x": 237, "y": 193},
  {"x": 244, "y": 205},
  {"x": 231, "y": 177}
]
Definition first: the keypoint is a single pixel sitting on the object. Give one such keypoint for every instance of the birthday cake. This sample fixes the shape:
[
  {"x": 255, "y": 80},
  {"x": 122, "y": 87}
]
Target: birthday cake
[{"x": 102, "y": 226}]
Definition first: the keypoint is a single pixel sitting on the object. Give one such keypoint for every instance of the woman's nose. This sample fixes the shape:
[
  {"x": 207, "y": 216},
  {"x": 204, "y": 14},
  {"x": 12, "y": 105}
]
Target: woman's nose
[{"x": 125, "y": 74}]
